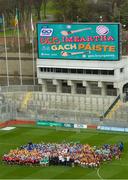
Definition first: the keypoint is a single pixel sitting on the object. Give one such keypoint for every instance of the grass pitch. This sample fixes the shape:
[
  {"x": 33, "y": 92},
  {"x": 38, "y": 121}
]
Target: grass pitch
[{"x": 117, "y": 169}]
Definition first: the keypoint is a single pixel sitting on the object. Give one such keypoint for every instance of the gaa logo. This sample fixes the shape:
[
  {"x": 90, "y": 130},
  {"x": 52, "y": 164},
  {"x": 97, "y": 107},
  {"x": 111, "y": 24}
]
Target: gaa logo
[{"x": 46, "y": 32}]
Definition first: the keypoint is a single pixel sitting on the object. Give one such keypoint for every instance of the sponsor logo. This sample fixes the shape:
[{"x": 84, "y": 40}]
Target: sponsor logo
[
  {"x": 80, "y": 126},
  {"x": 102, "y": 30},
  {"x": 67, "y": 125},
  {"x": 46, "y": 32}
]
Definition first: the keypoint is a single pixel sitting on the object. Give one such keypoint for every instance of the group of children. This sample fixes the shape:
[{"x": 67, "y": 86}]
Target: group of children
[{"x": 66, "y": 154}]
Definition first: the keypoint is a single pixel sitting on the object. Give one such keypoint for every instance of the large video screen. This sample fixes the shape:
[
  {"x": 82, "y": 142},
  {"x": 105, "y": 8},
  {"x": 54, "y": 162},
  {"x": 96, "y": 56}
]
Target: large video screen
[{"x": 98, "y": 41}]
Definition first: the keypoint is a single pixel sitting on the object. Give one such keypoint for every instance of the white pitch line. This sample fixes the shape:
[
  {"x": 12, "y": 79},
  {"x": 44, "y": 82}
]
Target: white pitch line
[
  {"x": 114, "y": 164},
  {"x": 98, "y": 173}
]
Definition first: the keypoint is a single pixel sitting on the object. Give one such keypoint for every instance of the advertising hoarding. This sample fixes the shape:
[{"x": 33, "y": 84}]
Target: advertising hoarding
[
  {"x": 55, "y": 124},
  {"x": 96, "y": 41}
]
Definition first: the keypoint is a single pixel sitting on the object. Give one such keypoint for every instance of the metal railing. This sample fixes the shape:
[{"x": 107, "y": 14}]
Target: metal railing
[{"x": 15, "y": 88}]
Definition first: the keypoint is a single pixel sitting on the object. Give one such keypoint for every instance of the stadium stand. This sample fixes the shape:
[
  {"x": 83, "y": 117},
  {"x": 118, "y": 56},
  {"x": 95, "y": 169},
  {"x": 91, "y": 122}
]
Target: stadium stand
[{"x": 29, "y": 104}]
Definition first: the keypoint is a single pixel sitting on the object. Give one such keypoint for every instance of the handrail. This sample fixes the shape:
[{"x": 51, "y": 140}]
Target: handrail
[
  {"x": 110, "y": 107},
  {"x": 18, "y": 88}
]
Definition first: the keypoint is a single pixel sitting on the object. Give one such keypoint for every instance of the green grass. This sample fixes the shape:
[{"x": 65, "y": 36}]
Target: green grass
[
  {"x": 13, "y": 33},
  {"x": 8, "y": 33},
  {"x": 116, "y": 169}
]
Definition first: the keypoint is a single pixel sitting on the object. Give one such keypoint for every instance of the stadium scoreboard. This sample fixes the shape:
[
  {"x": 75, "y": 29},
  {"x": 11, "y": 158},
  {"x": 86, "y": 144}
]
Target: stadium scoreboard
[{"x": 79, "y": 41}]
